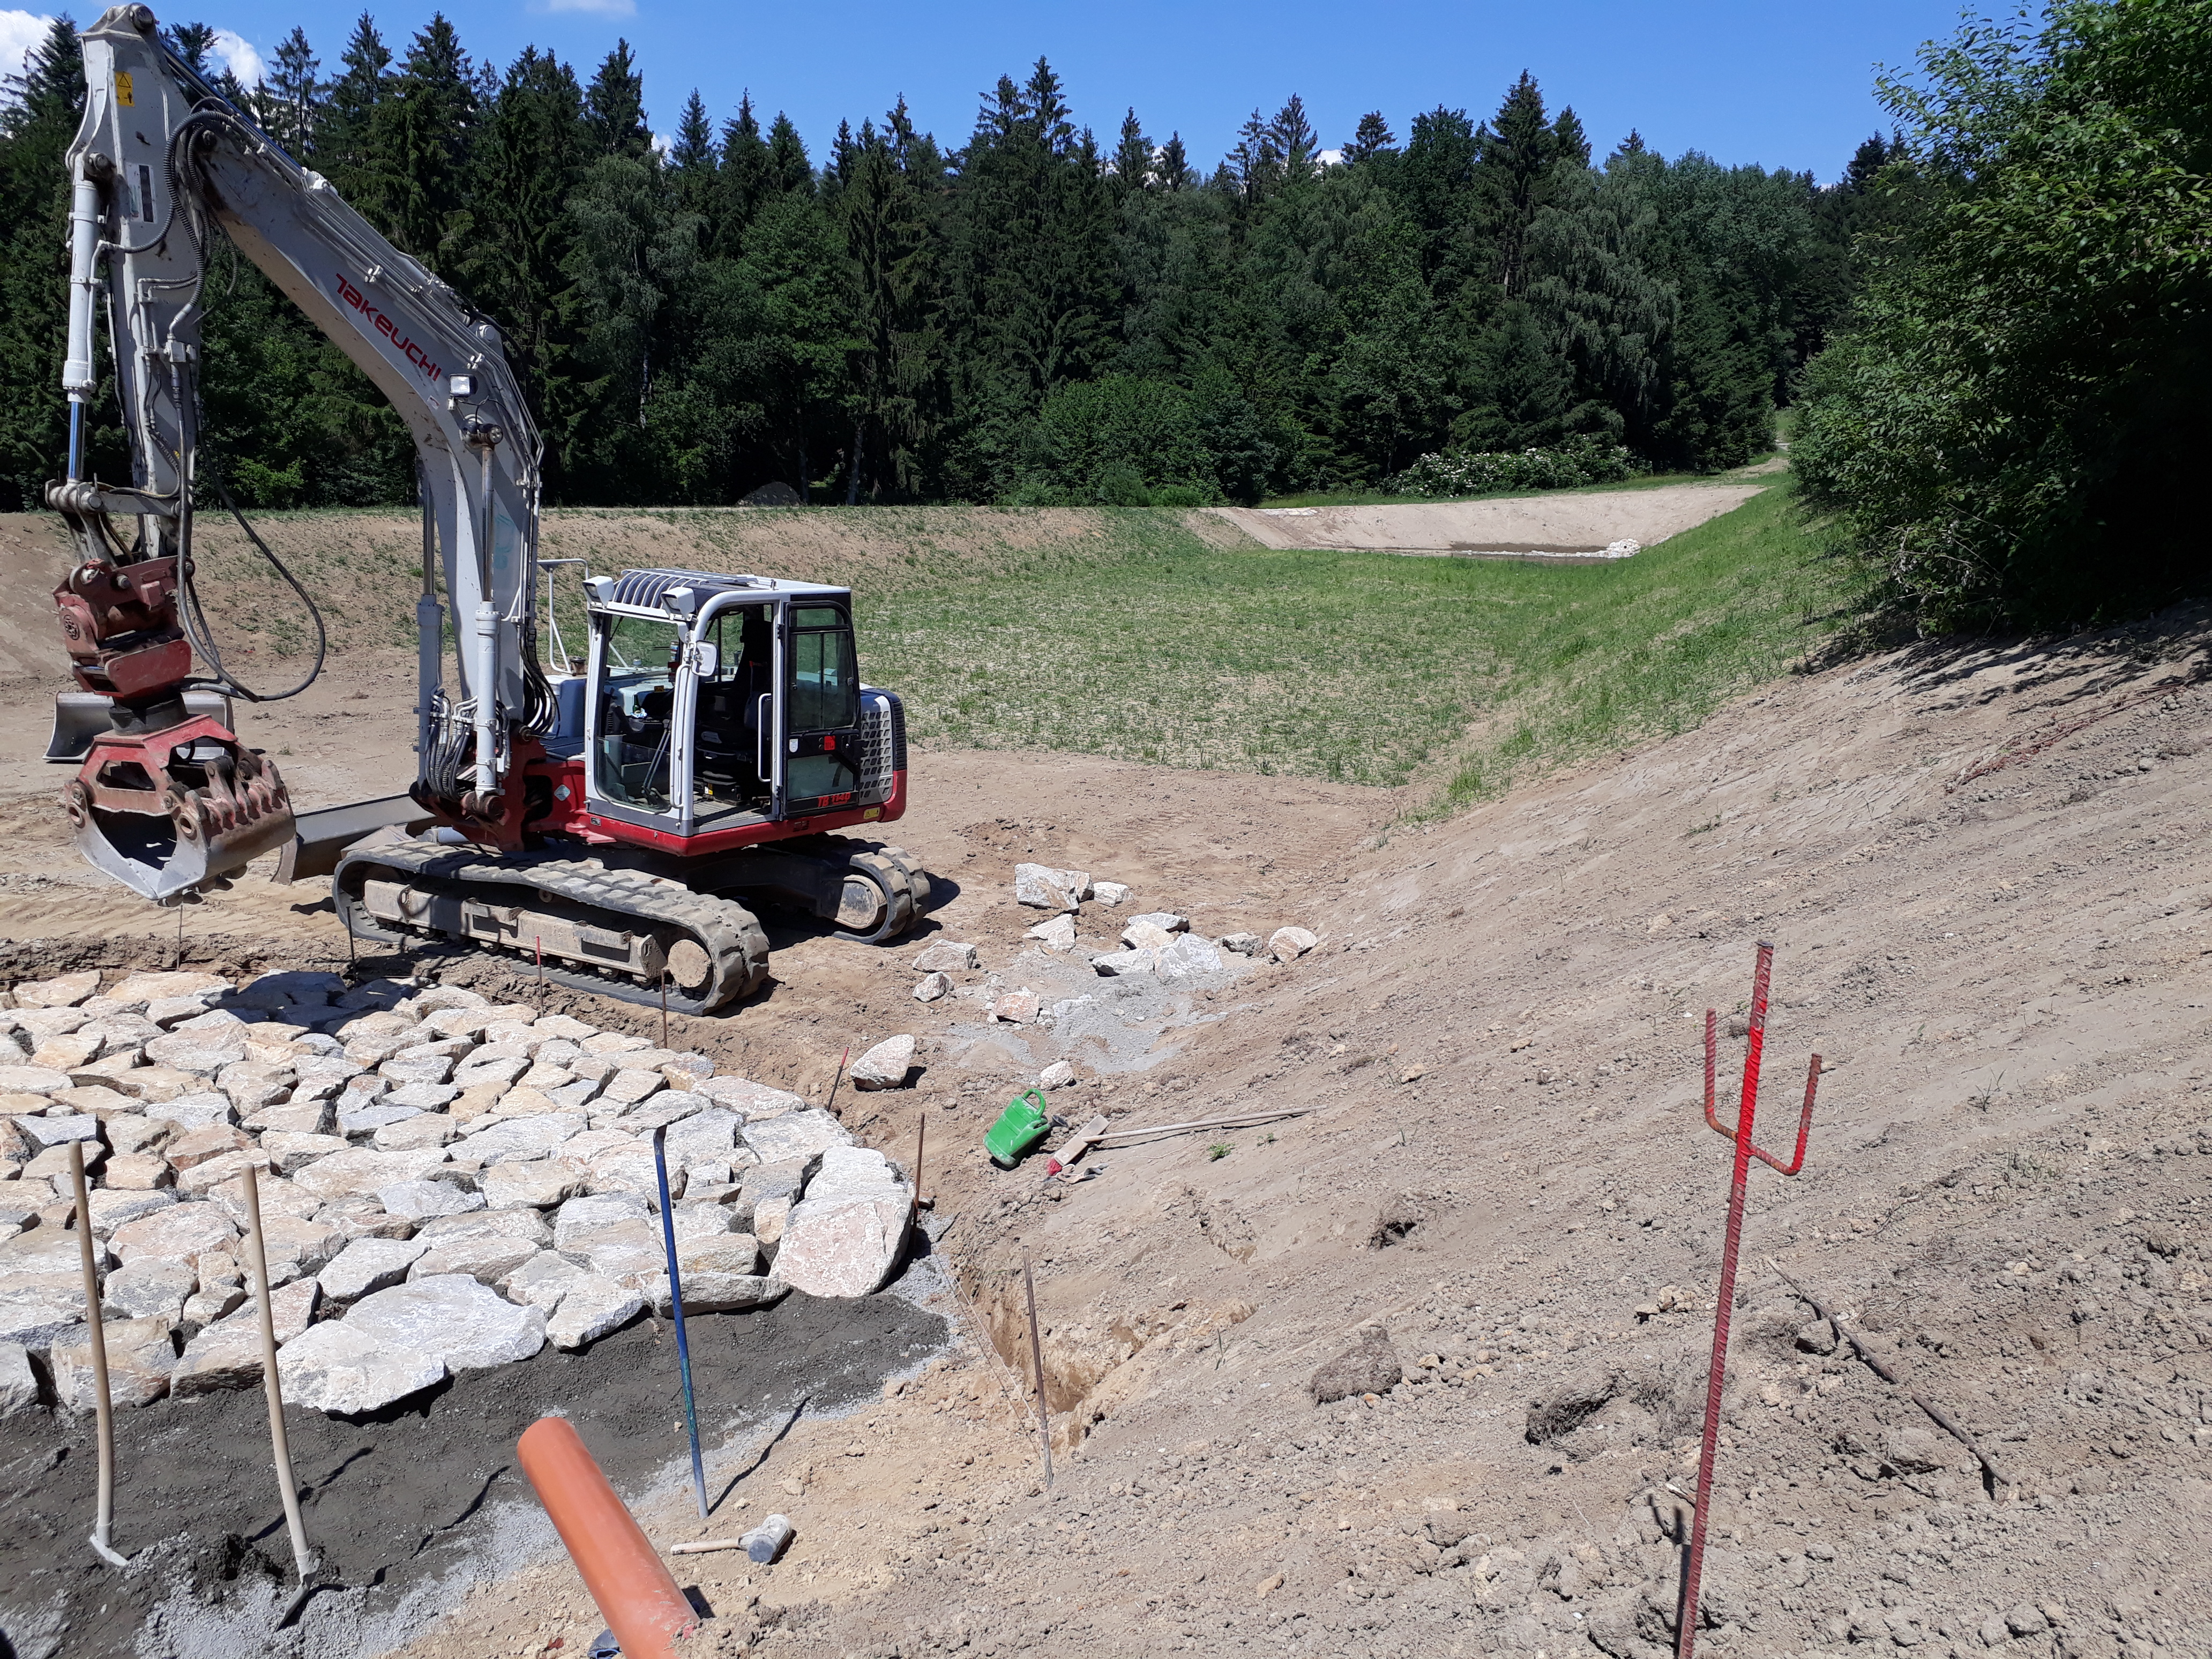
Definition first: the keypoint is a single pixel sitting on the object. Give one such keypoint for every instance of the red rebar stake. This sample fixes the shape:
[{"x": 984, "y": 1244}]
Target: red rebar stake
[{"x": 1686, "y": 1638}]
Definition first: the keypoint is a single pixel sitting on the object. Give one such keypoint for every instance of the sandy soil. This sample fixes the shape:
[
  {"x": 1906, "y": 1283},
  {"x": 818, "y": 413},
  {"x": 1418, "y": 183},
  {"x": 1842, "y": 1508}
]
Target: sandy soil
[
  {"x": 1985, "y": 873},
  {"x": 1561, "y": 523}
]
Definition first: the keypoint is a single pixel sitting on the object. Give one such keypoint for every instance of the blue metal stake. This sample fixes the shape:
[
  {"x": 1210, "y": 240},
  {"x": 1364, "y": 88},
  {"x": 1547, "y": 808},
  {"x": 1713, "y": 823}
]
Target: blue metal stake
[{"x": 676, "y": 1302}]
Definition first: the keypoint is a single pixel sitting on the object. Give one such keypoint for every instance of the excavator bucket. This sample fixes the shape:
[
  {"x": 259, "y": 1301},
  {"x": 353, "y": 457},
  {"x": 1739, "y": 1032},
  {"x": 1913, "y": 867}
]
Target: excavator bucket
[{"x": 169, "y": 812}]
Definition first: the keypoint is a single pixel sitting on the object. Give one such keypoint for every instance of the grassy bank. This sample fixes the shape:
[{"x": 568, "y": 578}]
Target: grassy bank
[
  {"x": 1456, "y": 674},
  {"x": 1157, "y": 635}
]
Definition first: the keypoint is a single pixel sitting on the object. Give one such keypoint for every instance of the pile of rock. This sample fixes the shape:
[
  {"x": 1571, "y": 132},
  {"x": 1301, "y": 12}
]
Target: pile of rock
[
  {"x": 445, "y": 1184},
  {"x": 1157, "y": 942}
]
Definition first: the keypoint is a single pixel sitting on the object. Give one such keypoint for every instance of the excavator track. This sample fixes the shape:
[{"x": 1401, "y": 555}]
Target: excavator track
[
  {"x": 611, "y": 931},
  {"x": 905, "y": 891}
]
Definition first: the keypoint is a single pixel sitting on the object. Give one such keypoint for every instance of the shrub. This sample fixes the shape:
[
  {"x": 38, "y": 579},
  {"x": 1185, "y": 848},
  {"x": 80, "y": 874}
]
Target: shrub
[
  {"x": 2010, "y": 431},
  {"x": 1577, "y": 461}
]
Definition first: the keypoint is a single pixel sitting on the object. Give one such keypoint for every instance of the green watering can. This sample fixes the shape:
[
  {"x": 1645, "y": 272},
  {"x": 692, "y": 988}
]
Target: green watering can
[{"x": 1023, "y": 1123}]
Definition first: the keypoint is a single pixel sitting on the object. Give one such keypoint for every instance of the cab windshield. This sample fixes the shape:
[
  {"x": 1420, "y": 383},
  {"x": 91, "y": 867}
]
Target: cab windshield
[{"x": 636, "y": 710}]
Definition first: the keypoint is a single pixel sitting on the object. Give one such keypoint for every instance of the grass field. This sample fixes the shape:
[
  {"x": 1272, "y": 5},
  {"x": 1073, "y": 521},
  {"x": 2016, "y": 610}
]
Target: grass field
[
  {"x": 1454, "y": 675},
  {"x": 1147, "y": 634}
]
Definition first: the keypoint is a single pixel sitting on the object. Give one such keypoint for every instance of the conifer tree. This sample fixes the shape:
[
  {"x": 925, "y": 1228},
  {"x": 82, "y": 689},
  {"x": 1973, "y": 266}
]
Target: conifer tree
[
  {"x": 746, "y": 176},
  {"x": 789, "y": 172},
  {"x": 290, "y": 108},
  {"x": 614, "y": 105},
  {"x": 1173, "y": 170},
  {"x": 417, "y": 153},
  {"x": 1132, "y": 156},
  {"x": 1371, "y": 139}
]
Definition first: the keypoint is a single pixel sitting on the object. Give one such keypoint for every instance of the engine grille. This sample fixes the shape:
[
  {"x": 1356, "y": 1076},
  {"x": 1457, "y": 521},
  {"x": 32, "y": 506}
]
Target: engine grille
[{"x": 883, "y": 744}]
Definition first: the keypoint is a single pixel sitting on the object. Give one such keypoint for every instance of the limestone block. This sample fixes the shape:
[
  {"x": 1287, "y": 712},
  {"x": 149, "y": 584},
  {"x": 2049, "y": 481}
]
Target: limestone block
[
  {"x": 366, "y": 1266},
  {"x": 140, "y": 1357},
  {"x": 841, "y": 1246},
  {"x": 422, "y": 1201},
  {"x": 946, "y": 956},
  {"x": 338, "y": 1368},
  {"x": 592, "y": 1307},
  {"x": 801, "y": 1134},
  {"x": 178, "y": 1233},
  {"x": 466, "y": 1325},
  {"x": 885, "y": 1066}
]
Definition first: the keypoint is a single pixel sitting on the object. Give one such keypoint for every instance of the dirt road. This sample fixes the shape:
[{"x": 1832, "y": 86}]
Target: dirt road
[{"x": 1560, "y": 524}]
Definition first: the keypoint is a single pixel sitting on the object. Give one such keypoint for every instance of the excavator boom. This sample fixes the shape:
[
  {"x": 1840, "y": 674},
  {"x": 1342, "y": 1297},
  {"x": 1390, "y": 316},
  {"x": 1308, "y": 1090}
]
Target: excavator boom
[{"x": 167, "y": 801}]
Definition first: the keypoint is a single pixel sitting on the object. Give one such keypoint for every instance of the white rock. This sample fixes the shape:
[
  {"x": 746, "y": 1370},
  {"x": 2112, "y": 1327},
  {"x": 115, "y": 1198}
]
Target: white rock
[
  {"x": 199, "y": 1109},
  {"x": 752, "y": 1100},
  {"x": 18, "y": 1385},
  {"x": 1058, "y": 934},
  {"x": 856, "y": 1172},
  {"x": 1110, "y": 892},
  {"x": 592, "y": 1308},
  {"x": 842, "y": 1247},
  {"x": 363, "y": 1169},
  {"x": 227, "y": 1353},
  {"x": 178, "y": 1233},
  {"x": 148, "y": 1286},
  {"x": 794, "y": 1135},
  {"x": 63, "y": 991},
  {"x": 582, "y": 1216},
  {"x": 931, "y": 986},
  {"x": 140, "y": 1361},
  {"x": 1043, "y": 888},
  {"x": 423, "y": 1096},
  {"x": 1166, "y": 921},
  {"x": 946, "y": 956},
  {"x": 1287, "y": 944},
  {"x": 113, "y": 1207},
  {"x": 290, "y": 1152},
  {"x": 202, "y": 1053},
  {"x": 1145, "y": 935},
  {"x": 344, "y": 1369},
  {"x": 417, "y": 1132},
  {"x": 487, "y": 1257},
  {"x": 368, "y": 1265},
  {"x": 1058, "y": 1075},
  {"x": 419, "y": 1200},
  {"x": 1018, "y": 1007},
  {"x": 44, "y": 1131},
  {"x": 522, "y": 1137},
  {"x": 707, "y": 1137},
  {"x": 1189, "y": 955},
  {"x": 1627, "y": 548},
  {"x": 1119, "y": 964},
  {"x": 885, "y": 1066},
  {"x": 537, "y": 1183},
  {"x": 37, "y": 1309},
  {"x": 465, "y": 1325},
  {"x": 630, "y": 1250},
  {"x": 669, "y": 1106},
  {"x": 541, "y": 1282}
]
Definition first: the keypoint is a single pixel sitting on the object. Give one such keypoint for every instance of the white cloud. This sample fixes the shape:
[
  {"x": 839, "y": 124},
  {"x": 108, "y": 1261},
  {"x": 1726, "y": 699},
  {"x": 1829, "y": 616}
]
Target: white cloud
[
  {"x": 1331, "y": 158},
  {"x": 236, "y": 53},
  {"x": 596, "y": 8},
  {"x": 21, "y": 33}
]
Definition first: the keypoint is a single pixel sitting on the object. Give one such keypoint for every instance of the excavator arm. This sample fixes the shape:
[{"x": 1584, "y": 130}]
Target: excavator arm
[{"x": 169, "y": 801}]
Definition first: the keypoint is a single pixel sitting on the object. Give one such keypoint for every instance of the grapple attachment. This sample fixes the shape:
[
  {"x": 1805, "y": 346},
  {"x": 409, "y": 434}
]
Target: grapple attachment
[{"x": 168, "y": 812}]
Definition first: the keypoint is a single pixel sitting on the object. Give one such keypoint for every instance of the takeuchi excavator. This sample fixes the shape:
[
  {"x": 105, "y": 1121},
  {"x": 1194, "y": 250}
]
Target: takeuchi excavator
[{"x": 615, "y": 824}]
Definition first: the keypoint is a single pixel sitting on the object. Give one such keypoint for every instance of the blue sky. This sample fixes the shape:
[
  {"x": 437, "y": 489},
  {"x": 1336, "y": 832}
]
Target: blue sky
[{"x": 1784, "y": 86}]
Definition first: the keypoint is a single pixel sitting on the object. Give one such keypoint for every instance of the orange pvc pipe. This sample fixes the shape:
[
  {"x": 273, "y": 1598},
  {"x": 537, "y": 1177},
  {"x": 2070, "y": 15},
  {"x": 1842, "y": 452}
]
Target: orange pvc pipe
[{"x": 637, "y": 1596}]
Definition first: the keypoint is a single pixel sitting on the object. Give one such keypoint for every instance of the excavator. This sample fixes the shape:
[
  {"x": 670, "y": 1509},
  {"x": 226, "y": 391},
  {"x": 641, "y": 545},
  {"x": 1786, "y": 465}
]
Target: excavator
[{"x": 615, "y": 826}]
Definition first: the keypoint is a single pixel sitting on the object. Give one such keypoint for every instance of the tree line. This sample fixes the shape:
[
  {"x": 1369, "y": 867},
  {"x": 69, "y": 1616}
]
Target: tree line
[{"x": 1034, "y": 315}]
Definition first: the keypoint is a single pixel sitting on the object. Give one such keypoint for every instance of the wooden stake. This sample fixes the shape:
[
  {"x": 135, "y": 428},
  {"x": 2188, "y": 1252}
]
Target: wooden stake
[
  {"x": 921, "y": 1130},
  {"x": 257, "y": 1259},
  {"x": 663, "y": 1008},
  {"x": 1036, "y": 1358},
  {"x": 104, "y": 1407}
]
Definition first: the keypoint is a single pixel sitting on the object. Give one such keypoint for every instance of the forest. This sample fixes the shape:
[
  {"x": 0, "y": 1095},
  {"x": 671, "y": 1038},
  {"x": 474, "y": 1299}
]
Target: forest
[{"x": 1032, "y": 315}]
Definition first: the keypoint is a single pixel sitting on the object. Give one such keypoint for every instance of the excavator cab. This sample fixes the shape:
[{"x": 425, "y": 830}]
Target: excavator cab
[{"x": 713, "y": 703}]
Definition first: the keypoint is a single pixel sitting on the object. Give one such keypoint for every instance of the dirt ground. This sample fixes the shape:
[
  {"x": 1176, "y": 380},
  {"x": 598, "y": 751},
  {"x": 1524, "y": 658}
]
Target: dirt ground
[
  {"x": 1559, "y": 523},
  {"x": 1984, "y": 871}
]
